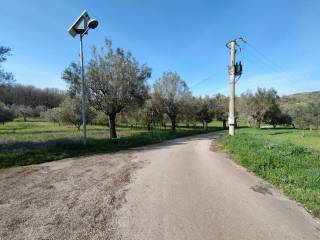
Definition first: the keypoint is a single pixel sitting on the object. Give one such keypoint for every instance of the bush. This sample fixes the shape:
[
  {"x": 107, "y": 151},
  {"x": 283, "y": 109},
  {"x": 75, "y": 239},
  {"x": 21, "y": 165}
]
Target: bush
[
  {"x": 24, "y": 111},
  {"x": 51, "y": 115},
  {"x": 101, "y": 119},
  {"x": 6, "y": 114},
  {"x": 70, "y": 112}
]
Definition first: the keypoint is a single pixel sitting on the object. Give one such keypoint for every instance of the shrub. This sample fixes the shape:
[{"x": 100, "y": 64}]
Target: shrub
[{"x": 6, "y": 114}]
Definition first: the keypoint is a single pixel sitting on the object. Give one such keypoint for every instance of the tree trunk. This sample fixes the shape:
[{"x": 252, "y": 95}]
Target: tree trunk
[
  {"x": 173, "y": 123},
  {"x": 24, "y": 119},
  {"x": 205, "y": 124},
  {"x": 258, "y": 124},
  {"x": 224, "y": 122},
  {"x": 149, "y": 126},
  {"x": 164, "y": 125},
  {"x": 112, "y": 126}
]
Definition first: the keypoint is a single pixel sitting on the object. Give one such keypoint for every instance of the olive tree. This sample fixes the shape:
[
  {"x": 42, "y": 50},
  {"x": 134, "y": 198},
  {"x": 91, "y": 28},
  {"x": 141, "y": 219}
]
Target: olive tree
[
  {"x": 151, "y": 113},
  {"x": 313, "y": 110},
  {"x": 24, "y": 112},
  {"x": 71, "y": 75},
  {"x": 115, "y": 80},
  {"x": 52, "y": 115},
  {"x": 170, "y": 91},
  {"x": 306, "y": 115},
  {"x": 70, "y": 112},
  {"x": 219, "y": 104},
  {"x": 5, "y": 77},
  {"x": 189, "y": 111},
  {"x": 274, "y": 116},
  {"x": 205, "y": 111},
  {"x": 258, "y": 104}
]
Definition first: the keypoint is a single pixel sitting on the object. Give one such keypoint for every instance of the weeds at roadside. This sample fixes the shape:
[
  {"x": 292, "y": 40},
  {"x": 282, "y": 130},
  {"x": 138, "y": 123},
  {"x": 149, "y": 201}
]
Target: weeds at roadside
[{"x": 294, "y": 168}]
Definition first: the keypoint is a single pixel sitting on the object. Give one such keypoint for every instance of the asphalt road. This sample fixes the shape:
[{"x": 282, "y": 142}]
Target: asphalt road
[
  {"x": 181, "y": 189},
  {"x": 190, "y": 190}
]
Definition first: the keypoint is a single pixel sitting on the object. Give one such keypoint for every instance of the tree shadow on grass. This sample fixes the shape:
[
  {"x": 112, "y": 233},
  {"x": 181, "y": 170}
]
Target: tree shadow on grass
[
  {"x": 279, "y": 133},
  {"x": 279, "y": 128}
]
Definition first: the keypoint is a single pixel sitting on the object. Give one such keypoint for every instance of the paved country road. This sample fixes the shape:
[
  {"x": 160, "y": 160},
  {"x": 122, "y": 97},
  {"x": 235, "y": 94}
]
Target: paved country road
[{"x": 181, "y": 189}]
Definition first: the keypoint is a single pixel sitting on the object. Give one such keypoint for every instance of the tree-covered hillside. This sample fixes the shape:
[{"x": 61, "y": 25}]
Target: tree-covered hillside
[{"x": 288, "y": 101}]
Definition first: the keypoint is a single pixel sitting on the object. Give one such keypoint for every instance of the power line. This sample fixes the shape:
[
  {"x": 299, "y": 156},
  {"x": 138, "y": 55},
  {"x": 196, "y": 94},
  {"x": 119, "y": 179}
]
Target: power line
[
  {"x": 202, "y": 81},
  {"x": 260, "y": 60},
  {"x": 267, "y": 61},
  {"x": 254, "y": 60},
  {"x": 276, "y": 65}
]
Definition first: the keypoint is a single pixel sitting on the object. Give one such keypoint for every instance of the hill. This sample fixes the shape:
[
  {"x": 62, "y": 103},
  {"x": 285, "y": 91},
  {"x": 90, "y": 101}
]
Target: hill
[{"x": 288, "y": 101}]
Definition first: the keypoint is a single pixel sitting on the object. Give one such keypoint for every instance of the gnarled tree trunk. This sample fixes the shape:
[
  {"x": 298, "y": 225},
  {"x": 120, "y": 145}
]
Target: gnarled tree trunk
[
  {"x": 173, "y": 123},
  {"x": 112, "y": 126}
]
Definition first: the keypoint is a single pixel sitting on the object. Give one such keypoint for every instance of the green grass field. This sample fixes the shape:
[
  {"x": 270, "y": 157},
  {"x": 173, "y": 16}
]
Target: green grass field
[
  {"x": 35, "y": 132},
  {"x": 24, "y": 143},
  {"x": 287, "y": 158},
  {"x": 306, "y": 138}
]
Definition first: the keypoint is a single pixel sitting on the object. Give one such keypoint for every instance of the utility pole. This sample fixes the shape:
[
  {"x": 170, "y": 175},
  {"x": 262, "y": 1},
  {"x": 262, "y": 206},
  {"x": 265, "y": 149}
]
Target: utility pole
[
  {"x": 232, "y": 74},
  {"x": 235, "y": 69}
]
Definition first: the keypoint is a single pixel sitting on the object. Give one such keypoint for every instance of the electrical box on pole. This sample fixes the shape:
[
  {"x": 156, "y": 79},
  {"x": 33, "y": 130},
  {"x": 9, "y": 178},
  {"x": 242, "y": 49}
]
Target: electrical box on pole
[{"x": 238, "y": 69}]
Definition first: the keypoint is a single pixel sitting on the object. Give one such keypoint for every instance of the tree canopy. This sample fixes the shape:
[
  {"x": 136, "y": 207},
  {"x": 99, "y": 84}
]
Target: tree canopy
[
  {"x": 256, "y": 105},
  {"x": 5, "y": 77},
  {"x": 171, "y": 92},
  {"x": 114, "y": 80}
]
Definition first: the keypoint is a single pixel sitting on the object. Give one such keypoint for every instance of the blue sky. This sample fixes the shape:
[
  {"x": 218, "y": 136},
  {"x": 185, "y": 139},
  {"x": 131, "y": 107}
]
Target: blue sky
[{"x": 185, "y": 36}]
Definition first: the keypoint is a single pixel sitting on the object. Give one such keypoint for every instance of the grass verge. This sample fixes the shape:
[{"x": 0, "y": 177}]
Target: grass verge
[
  {"x": 294, "y": 168},
  {"x": 72, "y": 148}
]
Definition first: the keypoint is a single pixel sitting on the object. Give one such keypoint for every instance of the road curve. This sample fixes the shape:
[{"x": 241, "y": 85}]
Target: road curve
[{"x": 190, "y": 190}]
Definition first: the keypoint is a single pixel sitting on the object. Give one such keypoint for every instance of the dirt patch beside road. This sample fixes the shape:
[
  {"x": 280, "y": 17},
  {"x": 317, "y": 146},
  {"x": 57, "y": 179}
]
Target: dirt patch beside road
[{"x": 68, "y": 199}]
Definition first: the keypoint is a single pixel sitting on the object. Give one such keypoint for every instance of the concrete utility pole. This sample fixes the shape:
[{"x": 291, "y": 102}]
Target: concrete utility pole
[{"x": 231, "y": 119}]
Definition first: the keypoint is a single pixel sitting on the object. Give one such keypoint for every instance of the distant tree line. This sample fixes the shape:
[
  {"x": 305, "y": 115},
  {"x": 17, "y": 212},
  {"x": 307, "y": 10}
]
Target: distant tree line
[
  {"x": 17, "y": 100},
  {"x": 31, "y": 96},
  {"x": 264, "y": 106},
  {"x": 116, "y": 92},
  {"x": 27, "y": 101}
]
